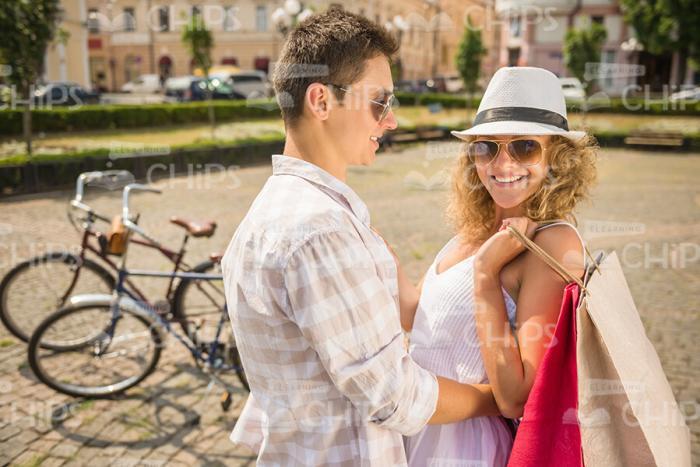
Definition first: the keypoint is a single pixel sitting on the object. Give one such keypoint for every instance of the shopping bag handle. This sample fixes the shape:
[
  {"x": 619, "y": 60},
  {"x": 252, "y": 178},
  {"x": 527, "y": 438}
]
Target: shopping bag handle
[{"x": 551, "y": 262}]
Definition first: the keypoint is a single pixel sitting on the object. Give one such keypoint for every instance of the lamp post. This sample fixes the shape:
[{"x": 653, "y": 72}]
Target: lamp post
[
  {"x": 287, "y": 17},
  {"x": 112, "y": 60},
  {"x": 436, "y": 34},
  {"x": 400, "y": 25},
  {"x": 633, "y": 47}
]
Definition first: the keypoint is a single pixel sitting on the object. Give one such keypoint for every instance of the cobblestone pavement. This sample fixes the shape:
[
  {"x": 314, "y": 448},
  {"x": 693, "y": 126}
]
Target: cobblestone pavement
[{"x": 646, "y": 207}]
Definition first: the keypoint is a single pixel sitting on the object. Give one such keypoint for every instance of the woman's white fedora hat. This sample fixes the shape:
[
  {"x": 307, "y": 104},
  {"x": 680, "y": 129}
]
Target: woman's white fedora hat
[{"x": 522, "y": 101}]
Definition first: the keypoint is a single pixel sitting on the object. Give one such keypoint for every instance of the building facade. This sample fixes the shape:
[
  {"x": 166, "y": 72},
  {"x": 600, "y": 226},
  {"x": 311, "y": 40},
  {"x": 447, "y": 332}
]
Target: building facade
[
  {"x": 532, "y": 34},
  {"x": 127, "y": 38},
  {"x": 67, "y": 60},
  {"x": 118, "y": 40}
]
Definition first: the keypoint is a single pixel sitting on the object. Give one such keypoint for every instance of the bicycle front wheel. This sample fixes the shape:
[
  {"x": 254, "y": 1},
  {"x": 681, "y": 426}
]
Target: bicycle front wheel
[
  {"x": 125, "y": 349},
  {"x": 37, "y": 287}
]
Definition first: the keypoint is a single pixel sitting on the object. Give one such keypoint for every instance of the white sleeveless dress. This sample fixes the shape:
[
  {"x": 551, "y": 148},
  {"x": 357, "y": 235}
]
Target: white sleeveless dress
[{"x": 444, "y": 340}]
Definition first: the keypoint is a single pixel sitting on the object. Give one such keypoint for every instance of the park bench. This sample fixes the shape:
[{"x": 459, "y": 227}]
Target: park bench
[
  {"x": 417, "y": 134},
  {"x": 655, "y": 139}
]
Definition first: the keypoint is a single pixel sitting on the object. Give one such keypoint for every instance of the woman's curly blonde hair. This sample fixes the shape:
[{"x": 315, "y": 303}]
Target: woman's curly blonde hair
[{"x": 571, "y": 174}]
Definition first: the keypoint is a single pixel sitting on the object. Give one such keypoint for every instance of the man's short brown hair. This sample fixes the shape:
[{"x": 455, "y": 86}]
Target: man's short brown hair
[{"x": 329, "y": 48}]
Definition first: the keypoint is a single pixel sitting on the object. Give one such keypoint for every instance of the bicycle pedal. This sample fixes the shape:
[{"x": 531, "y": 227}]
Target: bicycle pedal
[{"x": 226, "y": 400}]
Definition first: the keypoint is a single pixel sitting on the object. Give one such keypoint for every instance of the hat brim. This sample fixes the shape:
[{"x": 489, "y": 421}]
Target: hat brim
[{"x": 517, "y": 128}]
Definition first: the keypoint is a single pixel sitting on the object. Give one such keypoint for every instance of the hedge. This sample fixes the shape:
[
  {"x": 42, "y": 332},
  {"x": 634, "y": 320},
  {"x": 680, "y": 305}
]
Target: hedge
[
  {"x": 106, "y": 117},
  {"x": 613, "y": 105}
]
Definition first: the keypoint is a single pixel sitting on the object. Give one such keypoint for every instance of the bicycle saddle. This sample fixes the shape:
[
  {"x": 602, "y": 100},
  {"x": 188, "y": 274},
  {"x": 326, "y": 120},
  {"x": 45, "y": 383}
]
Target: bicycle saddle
[{"x": 194, "y": 228}]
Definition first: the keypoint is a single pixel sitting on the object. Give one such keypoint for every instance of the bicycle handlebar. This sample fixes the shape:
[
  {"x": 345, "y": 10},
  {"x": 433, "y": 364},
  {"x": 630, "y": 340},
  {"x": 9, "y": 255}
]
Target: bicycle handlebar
[
  {"x": 86, "y": 178},
  {"x": 126, "y": 216}
]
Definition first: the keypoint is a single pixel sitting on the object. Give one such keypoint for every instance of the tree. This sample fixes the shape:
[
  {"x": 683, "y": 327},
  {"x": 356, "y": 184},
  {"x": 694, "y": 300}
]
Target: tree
[
  {"x": 471, "y": 51},
  {"x": 582, "y": 46},
  {"x": 666, "y": 26},
  {"x": 199, "y": 42},
  {"x": 27, "y": 27}
]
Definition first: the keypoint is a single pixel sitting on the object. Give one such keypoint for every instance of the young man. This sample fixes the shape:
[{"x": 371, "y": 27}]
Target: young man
[{"x": 312, "y": 290}]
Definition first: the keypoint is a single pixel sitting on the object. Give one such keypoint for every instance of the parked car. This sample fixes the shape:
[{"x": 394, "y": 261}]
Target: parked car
[
  {"x": 452, "y": 84},
  {"x": 250, "y": 84},
  {"x": 415, "y": 85},
  {"x": 193, "y": 88},
  {"x": 692, "y": 94},
  {"x": 572, "y": 89},
  {"x": 144, "y": 84},
  {"x": 64, "y": 93}
]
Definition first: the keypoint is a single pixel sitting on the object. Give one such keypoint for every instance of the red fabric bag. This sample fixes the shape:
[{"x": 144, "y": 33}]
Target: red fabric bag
[{"x": 549, "y": 433}]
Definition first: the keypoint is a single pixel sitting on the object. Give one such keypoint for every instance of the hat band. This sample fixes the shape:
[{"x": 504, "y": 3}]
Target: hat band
[{"x": 521, "y": 114}]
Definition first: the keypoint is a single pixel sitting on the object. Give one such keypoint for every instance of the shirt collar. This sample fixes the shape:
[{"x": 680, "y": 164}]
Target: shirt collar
[{"x": 286, "y": 165}]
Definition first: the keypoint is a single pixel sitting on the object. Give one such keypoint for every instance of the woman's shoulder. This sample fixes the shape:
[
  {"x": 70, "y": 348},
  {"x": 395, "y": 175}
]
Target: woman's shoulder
[{"x": 563, "y": 242}]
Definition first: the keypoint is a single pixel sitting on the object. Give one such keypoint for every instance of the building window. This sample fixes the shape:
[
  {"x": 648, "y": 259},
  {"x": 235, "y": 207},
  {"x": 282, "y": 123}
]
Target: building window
[
  {"x": 132, "y": 67},
  {"x": 129, "y": 19},
  {"x": 165, "y": 67},
  {"x": 196, "y": 11},
  {"x": 93, "y": 22},
  {"x": 597, "y": 19},
  {"x": 608, "y": 57},
  {"x": 229, "y": 18},
  {"x": 514, "y": 57},
  {"x": 515, "y": 26},
  {"x": 261, "y": 18},
  {"x": 164, "y": 18},
  {"x": 261, "y": 64}
]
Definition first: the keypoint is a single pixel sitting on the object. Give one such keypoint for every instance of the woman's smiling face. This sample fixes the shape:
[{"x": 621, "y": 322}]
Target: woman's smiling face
[{"x": 508, "y": 181}]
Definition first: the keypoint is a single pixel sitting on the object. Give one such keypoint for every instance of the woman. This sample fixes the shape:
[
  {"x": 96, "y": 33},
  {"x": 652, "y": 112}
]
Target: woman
[{"x": 487, "y": 309}]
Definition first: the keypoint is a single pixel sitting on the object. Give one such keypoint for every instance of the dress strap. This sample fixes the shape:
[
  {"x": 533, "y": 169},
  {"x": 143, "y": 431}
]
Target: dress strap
[{"x": 445, "y": 248}]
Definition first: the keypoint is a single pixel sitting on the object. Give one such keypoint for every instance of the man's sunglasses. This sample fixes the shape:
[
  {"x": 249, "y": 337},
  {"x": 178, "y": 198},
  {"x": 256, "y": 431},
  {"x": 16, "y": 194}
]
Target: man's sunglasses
[
  {"x": 526, "y": 152},
  {"x": 380, "y": 110}
]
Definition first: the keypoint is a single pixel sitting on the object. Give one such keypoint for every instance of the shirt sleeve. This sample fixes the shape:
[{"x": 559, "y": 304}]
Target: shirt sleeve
[{"x": 351, "y": 320}]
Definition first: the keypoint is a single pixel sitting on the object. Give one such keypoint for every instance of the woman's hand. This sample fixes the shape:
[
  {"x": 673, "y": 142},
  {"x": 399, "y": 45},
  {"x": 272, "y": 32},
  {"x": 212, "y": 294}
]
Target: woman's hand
[
  {"x": 502, "y": 247},
  {"x": 409, "y": 294}
]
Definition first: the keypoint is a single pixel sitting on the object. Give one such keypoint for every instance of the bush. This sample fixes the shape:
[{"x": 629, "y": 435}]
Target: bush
[
  {"x": 613, "y": 105},
  {"x": 106, "y": 117}
]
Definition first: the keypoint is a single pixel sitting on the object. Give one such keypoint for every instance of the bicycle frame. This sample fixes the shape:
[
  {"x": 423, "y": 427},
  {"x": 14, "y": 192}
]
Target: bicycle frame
[
  {"x": 121, "y": 291},
  {"x": 176, "y": 257}
]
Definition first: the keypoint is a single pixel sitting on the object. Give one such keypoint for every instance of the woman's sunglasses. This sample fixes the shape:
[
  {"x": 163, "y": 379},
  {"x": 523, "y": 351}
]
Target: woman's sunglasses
[{"x": 526, "y": 152}]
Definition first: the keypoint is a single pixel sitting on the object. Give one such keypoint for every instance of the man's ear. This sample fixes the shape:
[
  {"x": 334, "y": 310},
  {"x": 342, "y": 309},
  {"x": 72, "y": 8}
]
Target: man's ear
[{"x": 317, "y": 101}]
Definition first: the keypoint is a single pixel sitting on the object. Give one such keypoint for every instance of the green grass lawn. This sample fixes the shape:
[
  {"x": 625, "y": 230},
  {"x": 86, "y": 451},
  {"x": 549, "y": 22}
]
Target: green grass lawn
[{"x": 231, "y": 132}]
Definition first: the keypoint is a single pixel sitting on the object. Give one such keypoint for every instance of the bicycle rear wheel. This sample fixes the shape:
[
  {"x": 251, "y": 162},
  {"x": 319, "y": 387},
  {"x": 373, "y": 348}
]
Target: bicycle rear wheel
[
  {"x": 198, "y": 303},
  {"x": 37, "y": 287},
  {"x": 197, "y": 307},
  {"x": 120, "y": 356}
]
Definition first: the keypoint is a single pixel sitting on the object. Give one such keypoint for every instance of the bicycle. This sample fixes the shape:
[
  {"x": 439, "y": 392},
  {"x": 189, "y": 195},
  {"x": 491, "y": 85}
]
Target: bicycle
[
  {"x": 100, "y": 345},
  {"x": 51, "y": 278}
]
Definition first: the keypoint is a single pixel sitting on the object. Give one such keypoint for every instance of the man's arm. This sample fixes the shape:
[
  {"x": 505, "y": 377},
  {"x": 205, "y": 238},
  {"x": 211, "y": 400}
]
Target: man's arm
[
  {"x": 348, "y": 317},
  {"x": 457, "y": 401}
]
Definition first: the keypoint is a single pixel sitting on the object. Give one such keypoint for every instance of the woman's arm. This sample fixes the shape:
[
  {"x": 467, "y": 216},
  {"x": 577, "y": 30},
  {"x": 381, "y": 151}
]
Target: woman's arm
[
  {"x": 511, "y": 361},
  {"x": 408, "y": 293}
]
